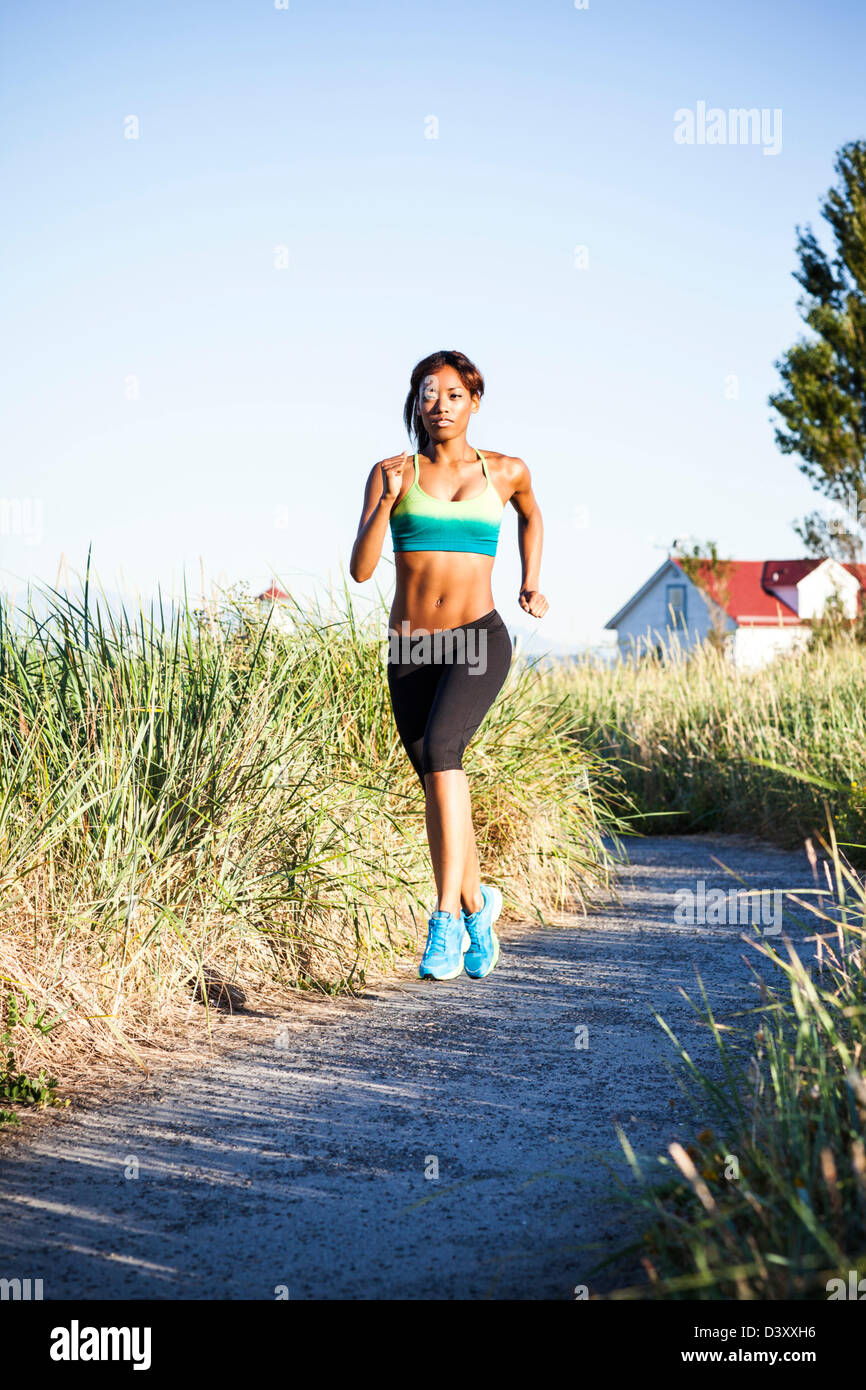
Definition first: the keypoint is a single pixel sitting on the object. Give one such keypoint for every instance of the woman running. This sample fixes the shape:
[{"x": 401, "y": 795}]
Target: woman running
[{"x": 449, "y": 650}]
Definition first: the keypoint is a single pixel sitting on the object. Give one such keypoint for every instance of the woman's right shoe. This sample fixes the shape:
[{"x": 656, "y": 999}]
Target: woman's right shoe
[
  {"x": 483, "y": 952},
  {"x": 447, "y": 943}
]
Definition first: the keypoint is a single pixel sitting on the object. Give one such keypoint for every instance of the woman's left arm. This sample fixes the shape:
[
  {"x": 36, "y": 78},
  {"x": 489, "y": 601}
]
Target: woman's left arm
[{"x": 530, "y": 537}]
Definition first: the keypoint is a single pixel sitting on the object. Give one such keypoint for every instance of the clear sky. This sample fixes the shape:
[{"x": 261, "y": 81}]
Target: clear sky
[{"x": 174, "y": 394}]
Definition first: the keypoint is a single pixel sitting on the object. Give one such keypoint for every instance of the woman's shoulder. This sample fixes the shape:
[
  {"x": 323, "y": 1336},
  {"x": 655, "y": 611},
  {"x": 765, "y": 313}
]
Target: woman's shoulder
[{"x": 505, "y": 465}]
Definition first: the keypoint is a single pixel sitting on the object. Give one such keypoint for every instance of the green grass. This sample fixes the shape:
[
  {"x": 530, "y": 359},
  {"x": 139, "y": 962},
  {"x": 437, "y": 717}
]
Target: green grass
[
  {"x": 769, "y": 1201},
  {"x": 16, "y": 1086},
  {"x": 197, "y": 792},
  {"x": 702, "y": 746}
]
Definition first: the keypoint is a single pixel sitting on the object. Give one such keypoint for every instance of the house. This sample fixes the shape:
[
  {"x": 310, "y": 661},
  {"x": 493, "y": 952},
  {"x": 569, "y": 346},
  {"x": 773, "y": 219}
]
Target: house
[
  {"x": 274, "y": 602},
  {"x": 759, "y": 607},
  {"x": 272, "y": 595}
]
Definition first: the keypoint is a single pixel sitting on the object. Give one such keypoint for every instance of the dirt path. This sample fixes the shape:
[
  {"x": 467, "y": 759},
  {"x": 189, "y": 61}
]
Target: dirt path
[{"x": 300, "y": 1161}]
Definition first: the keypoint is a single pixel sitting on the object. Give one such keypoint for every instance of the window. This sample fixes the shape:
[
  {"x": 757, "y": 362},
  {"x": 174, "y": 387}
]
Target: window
[{"x": 676, "y": 605}]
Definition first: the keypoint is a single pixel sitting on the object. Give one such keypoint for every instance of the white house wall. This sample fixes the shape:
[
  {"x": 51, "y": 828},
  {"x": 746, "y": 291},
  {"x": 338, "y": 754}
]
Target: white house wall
[
  {"x": 754, "y": 646},
  {"x": 817, "y": 587}
]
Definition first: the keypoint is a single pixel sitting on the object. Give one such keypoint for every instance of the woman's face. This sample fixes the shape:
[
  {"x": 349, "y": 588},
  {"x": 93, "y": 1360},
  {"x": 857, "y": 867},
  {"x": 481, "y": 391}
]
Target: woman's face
[{"x": 445, "y": 404}]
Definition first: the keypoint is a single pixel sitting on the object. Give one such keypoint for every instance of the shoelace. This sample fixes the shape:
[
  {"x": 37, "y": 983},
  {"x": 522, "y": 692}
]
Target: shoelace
[
  {"x": 471, "y": 921},
  {"x": 438, "y": 930}
]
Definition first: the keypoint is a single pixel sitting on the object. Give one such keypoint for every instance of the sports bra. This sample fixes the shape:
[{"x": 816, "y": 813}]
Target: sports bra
[{"x": 471, "y": 524}]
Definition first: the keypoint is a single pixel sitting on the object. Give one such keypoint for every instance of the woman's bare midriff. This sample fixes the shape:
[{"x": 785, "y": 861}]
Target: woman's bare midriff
[{"x": 440, "y": 588}]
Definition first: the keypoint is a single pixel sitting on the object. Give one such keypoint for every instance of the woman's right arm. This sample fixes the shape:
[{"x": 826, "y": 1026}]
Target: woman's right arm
[{"x": 380, "y": 495}]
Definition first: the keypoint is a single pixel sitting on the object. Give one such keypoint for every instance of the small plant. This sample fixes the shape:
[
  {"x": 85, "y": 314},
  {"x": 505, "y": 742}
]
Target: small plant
[{"x": 15, "y": 1085}]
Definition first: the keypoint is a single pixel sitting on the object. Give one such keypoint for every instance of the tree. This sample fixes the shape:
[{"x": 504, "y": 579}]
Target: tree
[
  {"x": 712, "y": 576},
  {"x": 834, "y": 626},
  {"x": 823, "y": 399}
]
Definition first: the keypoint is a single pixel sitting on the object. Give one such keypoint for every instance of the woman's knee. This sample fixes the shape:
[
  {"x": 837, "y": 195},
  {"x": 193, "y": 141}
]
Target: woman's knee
[{"x": 440, "y": 754}]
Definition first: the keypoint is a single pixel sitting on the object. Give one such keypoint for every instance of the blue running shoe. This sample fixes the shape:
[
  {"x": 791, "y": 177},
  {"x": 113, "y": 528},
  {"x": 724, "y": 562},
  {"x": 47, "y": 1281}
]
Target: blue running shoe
[
  {"x": 447, "y": 943},
  {"x": 483, "y": 952}
]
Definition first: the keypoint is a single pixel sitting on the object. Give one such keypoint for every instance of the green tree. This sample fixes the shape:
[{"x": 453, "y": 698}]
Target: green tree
[
  {"x": 823, "y": 397},
  {"x": 712, "y": 575}
]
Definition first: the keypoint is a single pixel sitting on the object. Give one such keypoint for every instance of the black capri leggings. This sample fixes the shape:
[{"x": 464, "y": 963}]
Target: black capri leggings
[{"x": 442, "y": 684}]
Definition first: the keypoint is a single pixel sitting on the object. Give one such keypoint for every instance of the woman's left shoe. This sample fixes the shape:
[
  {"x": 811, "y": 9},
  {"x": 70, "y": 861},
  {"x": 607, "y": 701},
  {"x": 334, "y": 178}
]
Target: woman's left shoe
[
  {"x": 447, "y": 942},
  {"x": 483, "y": 953}
]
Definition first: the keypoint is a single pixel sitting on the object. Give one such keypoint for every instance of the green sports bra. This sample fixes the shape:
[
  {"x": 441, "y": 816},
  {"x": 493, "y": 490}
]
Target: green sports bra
[{"x": 421, "y": 522}]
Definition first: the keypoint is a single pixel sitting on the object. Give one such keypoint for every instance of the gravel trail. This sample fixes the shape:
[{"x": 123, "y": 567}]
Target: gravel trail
[{"x": 299, "y": 1159}]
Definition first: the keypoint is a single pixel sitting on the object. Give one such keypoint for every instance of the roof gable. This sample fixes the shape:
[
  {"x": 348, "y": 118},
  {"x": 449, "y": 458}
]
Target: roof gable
[{"x": 639, "y": 593}]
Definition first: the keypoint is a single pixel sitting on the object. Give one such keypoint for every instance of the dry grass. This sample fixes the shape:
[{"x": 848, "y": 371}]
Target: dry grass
[
  {"x": 197, "y": 806},
  {"x": 702, "y": 746}
]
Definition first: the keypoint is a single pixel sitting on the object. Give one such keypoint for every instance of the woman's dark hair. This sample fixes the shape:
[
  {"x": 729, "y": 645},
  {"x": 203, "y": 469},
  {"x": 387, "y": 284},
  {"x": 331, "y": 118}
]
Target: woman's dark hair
[{"x": 467, "y": 372}]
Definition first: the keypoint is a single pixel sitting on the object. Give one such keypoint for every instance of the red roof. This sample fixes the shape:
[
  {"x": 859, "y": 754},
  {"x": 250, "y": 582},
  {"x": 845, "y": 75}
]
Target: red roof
[
  {"x": 272, "y": 594},
  {"x": 749, "y": 597}
]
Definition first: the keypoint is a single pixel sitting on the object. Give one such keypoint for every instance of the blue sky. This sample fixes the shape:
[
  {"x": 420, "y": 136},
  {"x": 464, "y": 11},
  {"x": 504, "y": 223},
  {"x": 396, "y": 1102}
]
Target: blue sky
[{"x": 173, "y": 396}]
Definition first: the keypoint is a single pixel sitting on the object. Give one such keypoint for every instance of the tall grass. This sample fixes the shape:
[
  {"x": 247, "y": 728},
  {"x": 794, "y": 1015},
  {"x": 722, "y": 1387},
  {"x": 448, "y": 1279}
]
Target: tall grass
[
  {"x": 195, "y": 801},
  {"x": 703, "y": 746}
]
